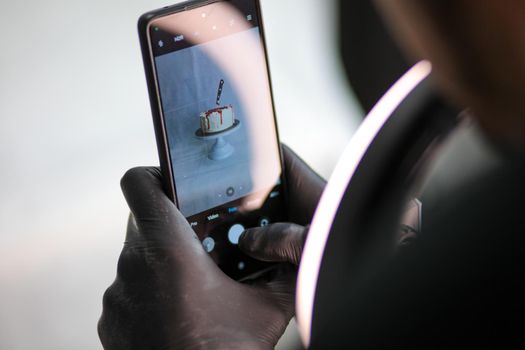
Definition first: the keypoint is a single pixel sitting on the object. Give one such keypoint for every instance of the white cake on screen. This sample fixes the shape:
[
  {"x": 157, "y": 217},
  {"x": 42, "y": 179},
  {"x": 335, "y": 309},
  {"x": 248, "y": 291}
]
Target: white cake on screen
[{"x": 217, "y": 119}]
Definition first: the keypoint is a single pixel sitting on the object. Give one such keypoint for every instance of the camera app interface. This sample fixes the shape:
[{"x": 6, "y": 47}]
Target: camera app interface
[{"x": 219, "y": 121}]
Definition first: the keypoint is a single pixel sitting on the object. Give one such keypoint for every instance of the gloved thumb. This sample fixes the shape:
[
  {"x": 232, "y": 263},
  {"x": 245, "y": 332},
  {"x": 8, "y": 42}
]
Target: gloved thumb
[
  {"x": 281, "y": 242},
  {"x": 154, "y": 216}
]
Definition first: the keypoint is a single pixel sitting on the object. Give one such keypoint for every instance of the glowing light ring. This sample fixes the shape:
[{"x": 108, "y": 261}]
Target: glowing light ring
[{"x": 336, "y": 187}]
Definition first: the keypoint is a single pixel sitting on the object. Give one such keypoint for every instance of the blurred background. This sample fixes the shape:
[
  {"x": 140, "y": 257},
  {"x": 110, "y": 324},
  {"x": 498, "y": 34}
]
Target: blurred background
[{"x": 75, "y": 116}]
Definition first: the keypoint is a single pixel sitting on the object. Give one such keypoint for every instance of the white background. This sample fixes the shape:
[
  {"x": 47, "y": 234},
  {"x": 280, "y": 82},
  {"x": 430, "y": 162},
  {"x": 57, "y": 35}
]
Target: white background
[{"x": 75, "y": 115}]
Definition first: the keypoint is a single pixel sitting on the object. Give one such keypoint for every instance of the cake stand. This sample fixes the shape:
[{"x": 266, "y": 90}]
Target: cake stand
[{"x": 221, "y": 149}]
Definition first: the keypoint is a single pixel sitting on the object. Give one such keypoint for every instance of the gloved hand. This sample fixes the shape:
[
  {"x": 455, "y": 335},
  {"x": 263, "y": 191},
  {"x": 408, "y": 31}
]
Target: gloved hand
[
  {"x": 168, "y": 292},
  {"x": 305, "y": 188},
  {"x": 284, "y": 242}
]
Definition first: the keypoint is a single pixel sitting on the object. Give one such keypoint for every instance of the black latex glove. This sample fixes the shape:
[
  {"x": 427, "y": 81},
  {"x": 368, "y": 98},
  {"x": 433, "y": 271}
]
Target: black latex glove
[
  {"x": 305, "y": 188},
  {"x": 169, "y": 294},
  {"x": 284, "y": 242}
]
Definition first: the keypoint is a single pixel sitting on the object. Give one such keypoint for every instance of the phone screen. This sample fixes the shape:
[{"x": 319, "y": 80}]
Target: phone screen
[{"x": 219, "y": 123}]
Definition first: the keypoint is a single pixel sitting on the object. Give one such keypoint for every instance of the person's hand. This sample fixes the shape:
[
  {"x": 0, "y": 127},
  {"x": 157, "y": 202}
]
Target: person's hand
[
  {"x": 169, "y": 294},
  {"x": 280, "y": 243},
  {"x": 304, "y": 186},
  {"x": 284, "y": 242}
]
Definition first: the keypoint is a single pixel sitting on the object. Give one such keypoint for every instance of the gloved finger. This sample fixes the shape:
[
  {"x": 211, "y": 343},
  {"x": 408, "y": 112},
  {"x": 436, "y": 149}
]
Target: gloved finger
[
  {"x": 142, "y": 188},
  {"x": 282, "y": 242},
  {"x": 280, "y": 283},
  {"x": 154, "y": 216},
  {"x": 159, "y": 239},
  {"x": 305, "y": 187},
  {"x": 132, "y": 233}
]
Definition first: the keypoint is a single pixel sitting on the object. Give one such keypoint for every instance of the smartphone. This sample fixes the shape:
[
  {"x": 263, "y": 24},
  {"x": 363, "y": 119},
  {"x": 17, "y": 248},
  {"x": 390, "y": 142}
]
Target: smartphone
[{"x": 211, "y": 98}]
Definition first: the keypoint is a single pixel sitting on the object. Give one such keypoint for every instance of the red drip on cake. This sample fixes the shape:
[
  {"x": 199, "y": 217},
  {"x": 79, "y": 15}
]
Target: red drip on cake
[
  {"x": 218, "y": 123},
  {"x": 218, "y": 110}
]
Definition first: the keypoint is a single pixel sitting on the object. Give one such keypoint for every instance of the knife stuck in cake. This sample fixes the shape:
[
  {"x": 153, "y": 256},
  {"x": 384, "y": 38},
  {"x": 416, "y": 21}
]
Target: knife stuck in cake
[
  {"x": 217, "y": 119},
  {"x": 219, "y": 92}
]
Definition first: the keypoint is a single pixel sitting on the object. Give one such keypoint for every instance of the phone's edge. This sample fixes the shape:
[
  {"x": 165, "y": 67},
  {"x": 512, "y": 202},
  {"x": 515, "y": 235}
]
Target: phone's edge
[
  {"x": 270, "y": 83},
  {"x": 157, "y": 116},
  {"x": 158, "y": 120}
]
